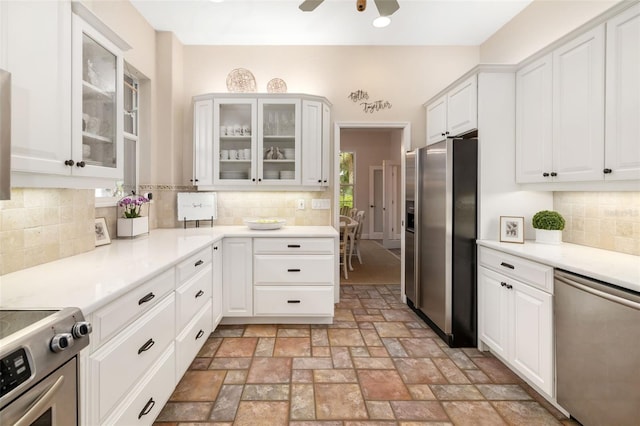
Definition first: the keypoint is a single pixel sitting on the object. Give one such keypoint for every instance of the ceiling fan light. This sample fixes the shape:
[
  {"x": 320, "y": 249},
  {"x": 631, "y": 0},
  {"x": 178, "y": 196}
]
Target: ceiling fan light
[{"x": 381, "y": 21}]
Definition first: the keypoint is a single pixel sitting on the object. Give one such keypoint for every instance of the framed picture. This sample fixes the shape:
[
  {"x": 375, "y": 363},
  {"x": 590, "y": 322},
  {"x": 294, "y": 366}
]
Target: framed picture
[
  {"x": 102, "y": 232},
  {"x": 512, "y": 229}
]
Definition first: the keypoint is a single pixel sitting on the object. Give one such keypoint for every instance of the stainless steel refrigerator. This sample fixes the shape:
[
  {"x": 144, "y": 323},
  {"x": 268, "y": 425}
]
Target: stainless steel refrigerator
[{"x": 445, "y": 233}]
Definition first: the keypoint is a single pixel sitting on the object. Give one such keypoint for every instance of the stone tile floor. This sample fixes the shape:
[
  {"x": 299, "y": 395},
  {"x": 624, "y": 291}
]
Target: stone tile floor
[{"x": 377, "y": 364}]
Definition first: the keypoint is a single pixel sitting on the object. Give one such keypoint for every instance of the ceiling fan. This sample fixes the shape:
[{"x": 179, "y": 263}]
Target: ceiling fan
[{"x": 385, "y": 7}]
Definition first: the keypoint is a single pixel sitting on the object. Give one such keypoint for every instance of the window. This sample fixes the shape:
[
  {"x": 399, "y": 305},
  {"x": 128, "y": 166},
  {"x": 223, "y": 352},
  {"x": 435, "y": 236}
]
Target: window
[
  {"x": 347, "y": 179},
  {"x": 107, "y": 196}
]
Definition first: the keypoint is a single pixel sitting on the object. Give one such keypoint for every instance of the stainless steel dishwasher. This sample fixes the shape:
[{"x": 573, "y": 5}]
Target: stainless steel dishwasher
[{"x": 597, "y": 329}]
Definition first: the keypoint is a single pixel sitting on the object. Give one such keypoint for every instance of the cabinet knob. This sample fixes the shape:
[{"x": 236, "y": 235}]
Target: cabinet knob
[
  {"x": 545, "y": 174},
  {"x": 554, "y": 174},
  {"x": 503, "y": 284},
  {"x": 254, "y": 179},
  {"x": 215, "y": 247},
  {"x": 319, "y": 180},
  {"x": 80, "y": 164},
  {"x": 607, "y": 171},
  {"x": 259, "y": 179},
  {"x": 446, "y": 133},
  {"x": 509, "y": 286},
  {"x": 442, "y": 134},
  {"x": 325, "y": 181},
  {"x": 69, "y": 163}
]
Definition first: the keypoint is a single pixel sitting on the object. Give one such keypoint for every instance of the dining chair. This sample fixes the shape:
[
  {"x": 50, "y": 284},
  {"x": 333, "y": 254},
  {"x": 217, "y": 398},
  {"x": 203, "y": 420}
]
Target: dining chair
[
  {"x": 357, "y": 235},
  {"x": 344, "y": 210},
  {"x": 353, "y": 212}
]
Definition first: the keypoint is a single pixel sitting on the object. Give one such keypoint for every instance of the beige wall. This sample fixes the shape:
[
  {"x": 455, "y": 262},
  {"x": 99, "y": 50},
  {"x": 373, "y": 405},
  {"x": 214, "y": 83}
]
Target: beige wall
[
  {"x": 606, "y": 220},
  {"x": 538, "y": 25},
  {"x": 372, "y": 147}
]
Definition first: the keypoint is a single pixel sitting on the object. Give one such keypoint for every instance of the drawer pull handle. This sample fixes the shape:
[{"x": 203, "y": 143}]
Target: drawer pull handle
[
  {"x": 146, "y": 346},
  {"x": 293, "y": 301},
  {"x": 503, "y": 284},
  {"x": 146, "y": 298},
  {"x": 200, "y": 334},
  {"x": 293, "y": 245},
  {"x": 198, "y": 263},
  {"x": 509, "y": 286},
  {"x": 147, "y": 408},
  {"x": 506, "y": 265},
  {"x": 293, "y": 270},
  {"x": 199, "y": 293}
]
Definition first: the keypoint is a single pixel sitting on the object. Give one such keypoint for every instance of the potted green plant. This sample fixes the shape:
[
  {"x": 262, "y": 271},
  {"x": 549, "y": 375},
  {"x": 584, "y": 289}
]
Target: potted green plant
[{"x": 548, "y": 225}]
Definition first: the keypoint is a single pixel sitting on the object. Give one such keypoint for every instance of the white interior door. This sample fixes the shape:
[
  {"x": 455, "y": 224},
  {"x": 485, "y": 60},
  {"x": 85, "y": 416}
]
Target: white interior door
[
  {"x": 391, "y": 202},
  {"x": 376, "y": 191}
]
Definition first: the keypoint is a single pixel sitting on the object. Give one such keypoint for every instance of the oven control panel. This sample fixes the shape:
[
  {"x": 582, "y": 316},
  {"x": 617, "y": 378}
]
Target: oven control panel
[{"x": 14, "y": 370}]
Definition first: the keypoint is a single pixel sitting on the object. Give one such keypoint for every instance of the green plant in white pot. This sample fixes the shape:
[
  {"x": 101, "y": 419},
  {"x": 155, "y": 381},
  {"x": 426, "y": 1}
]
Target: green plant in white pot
[{"x": 548, "y": 225}]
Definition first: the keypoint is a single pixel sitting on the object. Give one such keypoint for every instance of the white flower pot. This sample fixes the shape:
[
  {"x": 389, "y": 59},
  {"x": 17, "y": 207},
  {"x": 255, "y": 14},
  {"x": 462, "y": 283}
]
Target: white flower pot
[
  {"x": 546, "y": 236},
  {"x": 133, "y": 227}
]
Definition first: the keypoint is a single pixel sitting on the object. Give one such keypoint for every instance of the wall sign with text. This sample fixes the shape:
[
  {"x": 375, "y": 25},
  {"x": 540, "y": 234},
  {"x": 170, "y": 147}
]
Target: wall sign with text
[{"x": 362, "y": 97}]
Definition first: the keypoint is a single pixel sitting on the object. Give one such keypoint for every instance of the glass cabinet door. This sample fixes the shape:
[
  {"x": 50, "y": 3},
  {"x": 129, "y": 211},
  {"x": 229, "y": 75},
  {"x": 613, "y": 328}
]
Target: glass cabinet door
[
  {"x": 279, "y": 141},
  {"x": 234, "y": 141},
  {"x": 98, "y": 108}
]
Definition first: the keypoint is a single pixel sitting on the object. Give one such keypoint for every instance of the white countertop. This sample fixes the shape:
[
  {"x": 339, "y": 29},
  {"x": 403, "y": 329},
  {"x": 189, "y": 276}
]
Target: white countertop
[
  {"x": 93, "y": 279},
  {"x": 609, "y": 266}
]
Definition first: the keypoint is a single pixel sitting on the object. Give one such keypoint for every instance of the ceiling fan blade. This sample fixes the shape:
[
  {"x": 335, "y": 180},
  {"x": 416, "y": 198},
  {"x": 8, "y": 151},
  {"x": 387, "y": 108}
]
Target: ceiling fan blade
[
  {"x": 387, "y": 7},
  {"x": 309, "y": 5}
]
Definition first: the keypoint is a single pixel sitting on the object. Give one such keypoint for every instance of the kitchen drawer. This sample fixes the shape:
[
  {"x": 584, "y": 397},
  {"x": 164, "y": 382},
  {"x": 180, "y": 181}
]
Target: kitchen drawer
[
  {"x": 532, "y": 273},
  {"x": 143, "y": 405},
  {"x": 188, "y": 268},
  {"x": 192, "y": 296},
  {"x": 293, "y": 245},
  {"x": 113, "y": 317},
  {"x": 189, "y": 342},
  {"x": 125, "y": 359},
  {"x": 303, "y": 269},
  {"x": 293, "y": 301}
]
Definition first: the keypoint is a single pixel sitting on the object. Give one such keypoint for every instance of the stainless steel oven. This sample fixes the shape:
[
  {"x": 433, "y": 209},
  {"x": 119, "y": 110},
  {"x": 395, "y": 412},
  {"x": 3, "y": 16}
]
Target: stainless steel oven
[{"x": 38, "y": 366}]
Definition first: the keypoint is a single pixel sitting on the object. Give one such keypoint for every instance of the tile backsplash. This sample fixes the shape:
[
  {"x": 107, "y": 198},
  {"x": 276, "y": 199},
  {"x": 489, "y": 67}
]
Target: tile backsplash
[
  {"x": 606, "y": 220},
  {"x": 43, "y": 225}
]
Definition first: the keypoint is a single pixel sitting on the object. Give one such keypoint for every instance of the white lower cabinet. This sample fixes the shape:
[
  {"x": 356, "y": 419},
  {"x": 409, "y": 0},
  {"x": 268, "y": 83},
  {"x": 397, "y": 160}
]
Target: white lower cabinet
[
  {"x": 145, "y": 402},
  {"x": 216, "y": 293},
  {"x": 298, "y": 301},
  {"x": 515, "y": 320},
  {"x": 122, "y": 362},
  {"x": 189, "y": 342},
  {"x": 237, "y": 277}
]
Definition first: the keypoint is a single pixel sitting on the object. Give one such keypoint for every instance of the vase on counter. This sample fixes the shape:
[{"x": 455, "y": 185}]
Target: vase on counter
[
  {"x": 132, "y": 227},
  {"x": 548, "y": 236}
]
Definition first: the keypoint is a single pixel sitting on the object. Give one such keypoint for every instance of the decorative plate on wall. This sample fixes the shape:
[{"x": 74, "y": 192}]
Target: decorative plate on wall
[
  {"x": 276, "y": 85},
  {"x": 241, "y": 80}
]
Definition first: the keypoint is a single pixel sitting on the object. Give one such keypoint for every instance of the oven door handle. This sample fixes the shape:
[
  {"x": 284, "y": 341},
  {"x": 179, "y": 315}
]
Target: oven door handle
[{"x": 41, "y": 404}]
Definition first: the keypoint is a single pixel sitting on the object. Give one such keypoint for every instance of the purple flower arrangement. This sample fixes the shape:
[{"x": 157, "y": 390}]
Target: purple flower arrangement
[{"x": 132, "y": 205}]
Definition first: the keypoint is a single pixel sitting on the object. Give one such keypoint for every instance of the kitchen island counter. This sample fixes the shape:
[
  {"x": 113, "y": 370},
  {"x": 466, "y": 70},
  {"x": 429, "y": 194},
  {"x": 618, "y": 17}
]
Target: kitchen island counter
[
  {"x": 93, "y": 279},
  {"x": 612, "y": 267}
]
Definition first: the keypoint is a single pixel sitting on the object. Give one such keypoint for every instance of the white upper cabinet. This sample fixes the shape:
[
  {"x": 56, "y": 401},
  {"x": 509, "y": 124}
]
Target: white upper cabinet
[
  {"x": 533, "y": 121},
  {"x": 454, "y": 113},
  {"x": 203, "y": 142},
  {"x": 578, "y": 108},
  {"x": 40, "y": 64},
  {"x": 622, "y": 125},
  {"x": 261, "y": 141},
  {"x": 437, "y": 120},
  {"x": 462, "y": 107}
]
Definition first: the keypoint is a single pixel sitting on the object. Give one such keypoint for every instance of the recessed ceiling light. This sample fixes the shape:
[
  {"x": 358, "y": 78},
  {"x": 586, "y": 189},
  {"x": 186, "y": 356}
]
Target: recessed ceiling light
[{"x": 381, "y": 21}]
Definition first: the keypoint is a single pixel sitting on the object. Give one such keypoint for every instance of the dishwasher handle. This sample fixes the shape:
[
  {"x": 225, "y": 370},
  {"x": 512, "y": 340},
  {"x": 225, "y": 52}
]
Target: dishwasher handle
[{"x": 600, "y": 290}]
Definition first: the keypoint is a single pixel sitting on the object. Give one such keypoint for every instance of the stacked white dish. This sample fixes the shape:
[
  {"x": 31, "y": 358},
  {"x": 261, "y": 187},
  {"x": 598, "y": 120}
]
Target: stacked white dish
[
  {"x": 233, "y": 174},
  {"x": 271, "y": 174},
  {"x": 287, "y": 174},
  {"x": 264, "y": 223},
  {"x": 289, "y": 153}
]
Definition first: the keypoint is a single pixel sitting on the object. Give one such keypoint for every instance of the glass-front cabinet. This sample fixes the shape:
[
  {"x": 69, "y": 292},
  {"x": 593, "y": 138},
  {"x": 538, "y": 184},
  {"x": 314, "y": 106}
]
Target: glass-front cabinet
[
  {"x": 279, "y": 141},
  {"x": 97, "y": 116}
]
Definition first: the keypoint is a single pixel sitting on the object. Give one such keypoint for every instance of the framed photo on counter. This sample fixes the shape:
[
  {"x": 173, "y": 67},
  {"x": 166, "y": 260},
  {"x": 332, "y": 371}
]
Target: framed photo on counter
[
  {"x": 512, "y": 229},
  {"x": 102, "y": 232}
]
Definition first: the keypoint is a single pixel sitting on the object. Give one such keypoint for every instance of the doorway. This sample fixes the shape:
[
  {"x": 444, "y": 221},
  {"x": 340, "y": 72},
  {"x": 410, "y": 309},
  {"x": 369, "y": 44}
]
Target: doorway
[{"x": 395, "y": 166}]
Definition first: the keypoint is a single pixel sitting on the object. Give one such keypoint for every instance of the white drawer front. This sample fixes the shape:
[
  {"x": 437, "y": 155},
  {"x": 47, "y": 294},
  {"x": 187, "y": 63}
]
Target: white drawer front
[
  {"x": 188, "y": 268},
  {"x": 189, "y": 342},
  {"x": 532, "y": 273},
  {"x": 293, "y": 301},
  {"x": 192, "y": 296},
  {"x": 144, "y": 404},
  {"x": 293, "y": 245},
  {"x": 304, "y": 269},
  {"x": 110, "y": 319},
  {"x": 124, "y": 360}
]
